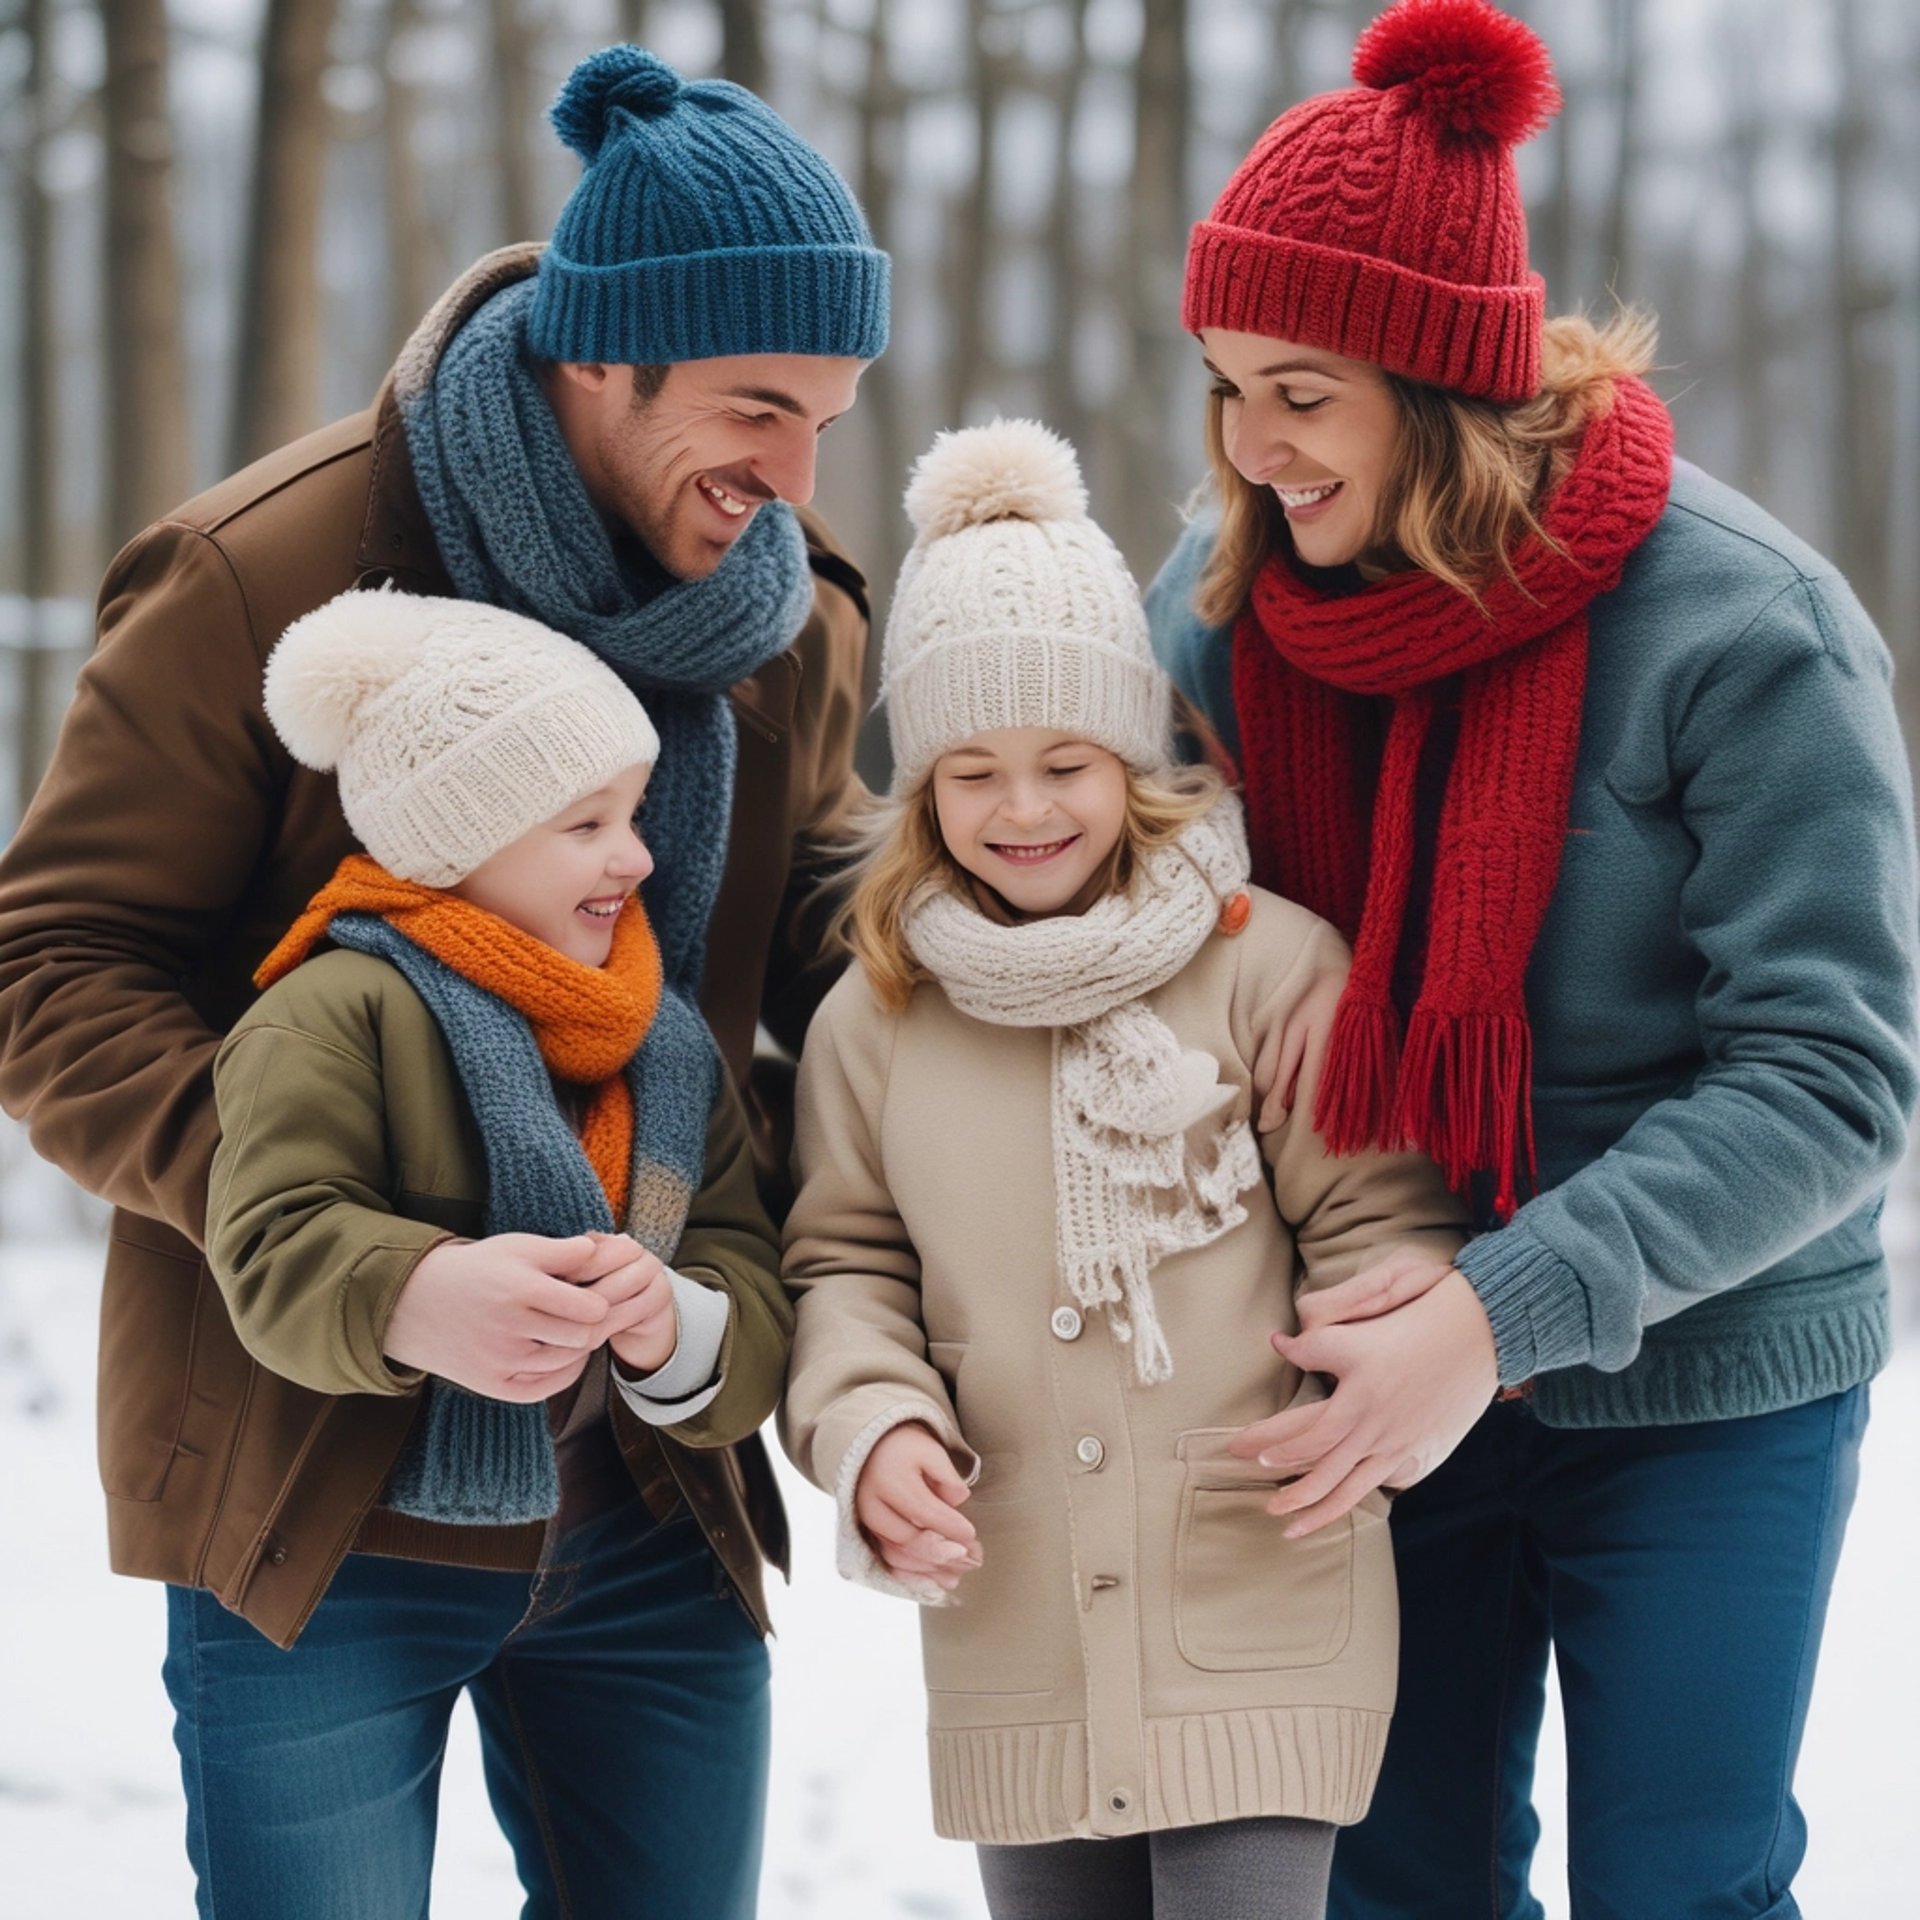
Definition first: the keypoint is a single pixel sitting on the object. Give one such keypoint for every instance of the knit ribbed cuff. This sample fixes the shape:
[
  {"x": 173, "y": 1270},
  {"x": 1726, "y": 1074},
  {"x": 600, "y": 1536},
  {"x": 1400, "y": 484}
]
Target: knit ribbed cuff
[
  {"x": 1534, "y": 1301},
  {"x": 701, "y": 306},
  {"x": 687, "y": 1383},
  {"x": 1475, "y": 340}
]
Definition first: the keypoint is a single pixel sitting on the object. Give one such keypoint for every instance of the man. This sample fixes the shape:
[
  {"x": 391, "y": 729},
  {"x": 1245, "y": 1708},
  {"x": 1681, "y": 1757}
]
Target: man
[{"x": 613, "y": 436}]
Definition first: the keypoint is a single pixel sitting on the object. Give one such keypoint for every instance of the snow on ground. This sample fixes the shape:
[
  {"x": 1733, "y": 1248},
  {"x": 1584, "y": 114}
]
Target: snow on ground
[{"x": 90, "y": 1807}]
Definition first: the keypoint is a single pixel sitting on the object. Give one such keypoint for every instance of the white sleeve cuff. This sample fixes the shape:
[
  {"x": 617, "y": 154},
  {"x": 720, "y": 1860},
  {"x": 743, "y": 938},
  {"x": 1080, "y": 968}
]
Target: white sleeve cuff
[{"x": 687, "y": 1383}]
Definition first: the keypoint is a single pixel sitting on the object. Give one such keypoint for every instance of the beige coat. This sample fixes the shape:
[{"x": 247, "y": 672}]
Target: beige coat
[{"x": 1141, "y": 1648}]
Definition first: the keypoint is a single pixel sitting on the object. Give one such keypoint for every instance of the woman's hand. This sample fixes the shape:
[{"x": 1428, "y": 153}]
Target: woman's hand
[
  {"x": 1407, "y": 1387},
  {"x": 1283, "y": 1048},
  {"x": 908, "y": 1500},
  {"x": 1403, "y": 1275}
]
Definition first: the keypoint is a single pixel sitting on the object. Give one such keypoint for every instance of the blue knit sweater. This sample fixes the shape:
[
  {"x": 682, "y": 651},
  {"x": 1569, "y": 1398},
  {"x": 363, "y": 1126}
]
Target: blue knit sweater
[{"x": 1722, "y": 996}]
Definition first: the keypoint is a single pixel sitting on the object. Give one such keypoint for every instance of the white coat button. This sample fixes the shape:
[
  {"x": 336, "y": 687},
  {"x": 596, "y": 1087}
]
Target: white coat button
[
  {"x": 1089, "y": 1452},
  {"x": 1120, "y": 1800},
  {"x": 1066, "y": 1323}
]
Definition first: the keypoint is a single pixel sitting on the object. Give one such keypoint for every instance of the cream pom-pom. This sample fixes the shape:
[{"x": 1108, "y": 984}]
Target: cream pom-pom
[
  {"x": 330, "y": 660},
  {"x": 1009, "y": 470}
]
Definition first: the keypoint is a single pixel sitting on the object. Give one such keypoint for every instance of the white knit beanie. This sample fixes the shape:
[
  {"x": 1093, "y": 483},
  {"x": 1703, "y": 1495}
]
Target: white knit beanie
[
  {"x": 455, "y": 726},
  {"x": 1014, "y": 609}
]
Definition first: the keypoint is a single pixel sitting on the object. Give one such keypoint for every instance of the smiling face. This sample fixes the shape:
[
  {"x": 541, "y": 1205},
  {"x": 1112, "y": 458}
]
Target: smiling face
[
  {"x": 1319, "y": 430},
  {"x": 684, "y": 467},
  {"x": 566, "y": 880},
  {"x": 1033, "y": 812}
]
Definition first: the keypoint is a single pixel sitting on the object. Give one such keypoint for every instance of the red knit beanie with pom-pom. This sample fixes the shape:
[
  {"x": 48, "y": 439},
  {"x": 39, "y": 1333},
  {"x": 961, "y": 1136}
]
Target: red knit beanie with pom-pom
[{"x": 1385, "y": 222}]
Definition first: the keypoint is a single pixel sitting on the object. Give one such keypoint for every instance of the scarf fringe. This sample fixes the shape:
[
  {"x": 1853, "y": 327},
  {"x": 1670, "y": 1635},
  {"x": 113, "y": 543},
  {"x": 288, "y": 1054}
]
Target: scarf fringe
[
  {"x": 1466, "y": 1099},
  {"x": 1356, "y": 1108},
  {"x": 1120, "y": 1276}
]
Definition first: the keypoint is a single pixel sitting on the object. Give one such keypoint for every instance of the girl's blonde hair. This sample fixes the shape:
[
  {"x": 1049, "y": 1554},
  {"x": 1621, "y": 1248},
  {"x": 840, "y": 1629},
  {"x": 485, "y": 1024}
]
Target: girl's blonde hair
[
  {"x": 1469, "y": 477},
  {"x": 899, "y": 860}
]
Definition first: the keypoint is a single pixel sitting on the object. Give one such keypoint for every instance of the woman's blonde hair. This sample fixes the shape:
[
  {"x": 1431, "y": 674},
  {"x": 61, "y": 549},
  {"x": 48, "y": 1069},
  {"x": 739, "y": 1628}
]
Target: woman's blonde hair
[
  {"x": 899, "y": 860},
  {"x": 1469, "y": 477}
]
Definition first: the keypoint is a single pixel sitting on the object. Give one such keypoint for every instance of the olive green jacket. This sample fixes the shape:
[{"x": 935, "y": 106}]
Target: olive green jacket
[{"x": 347, "y": 1151}]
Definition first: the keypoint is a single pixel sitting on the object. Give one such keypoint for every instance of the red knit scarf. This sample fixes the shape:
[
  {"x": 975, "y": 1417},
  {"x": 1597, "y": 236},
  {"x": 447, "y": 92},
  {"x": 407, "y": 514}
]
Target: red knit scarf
[{"x": 1305, "y": 666}]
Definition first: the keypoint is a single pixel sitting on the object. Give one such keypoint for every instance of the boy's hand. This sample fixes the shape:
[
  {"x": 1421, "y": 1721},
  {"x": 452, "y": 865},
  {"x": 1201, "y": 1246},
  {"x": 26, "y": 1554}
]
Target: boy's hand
[
  {"x": 1403, "y": 1275},
  {"x": 504, "y": 1317},
  {"x": 907, "y": 1502},
  {"x": 642, "y": 1326}
]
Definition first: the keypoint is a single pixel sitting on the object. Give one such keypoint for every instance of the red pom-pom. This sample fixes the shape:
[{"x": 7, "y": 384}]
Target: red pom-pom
[{"x": 1464, "y": 64}]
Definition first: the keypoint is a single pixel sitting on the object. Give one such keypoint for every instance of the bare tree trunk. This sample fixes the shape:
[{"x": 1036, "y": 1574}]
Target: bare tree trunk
[
  {"x": 970, "y": 294},
  {"x": 1860, "y": 453},
  {"x": 880, "y": 127},
  {"x": 633, "y": 21},
  {"x": 1752, "y": 325},
  {"x": 39, "y": 424},
  {"x": 1156, "y": 226},
  {"x": 743, "y": 47},
  {"x": 1617, "y": 231},
  {"x": 416, "y": 267},
  {"x": 1059, "y": 386},
  {"x": 513, "y": 109},
  {"x": 277, "y": 383},
  {"x": 148, "y": 457}
]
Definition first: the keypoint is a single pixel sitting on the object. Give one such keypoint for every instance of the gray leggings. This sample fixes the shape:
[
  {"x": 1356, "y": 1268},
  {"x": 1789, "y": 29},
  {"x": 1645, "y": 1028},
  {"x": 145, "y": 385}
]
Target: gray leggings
[{"x": 1233, "y": 1870}]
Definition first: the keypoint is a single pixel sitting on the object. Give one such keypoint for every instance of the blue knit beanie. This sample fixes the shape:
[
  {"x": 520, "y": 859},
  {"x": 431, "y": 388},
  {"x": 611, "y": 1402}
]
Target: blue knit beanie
[{"x": 703, "y": 225}]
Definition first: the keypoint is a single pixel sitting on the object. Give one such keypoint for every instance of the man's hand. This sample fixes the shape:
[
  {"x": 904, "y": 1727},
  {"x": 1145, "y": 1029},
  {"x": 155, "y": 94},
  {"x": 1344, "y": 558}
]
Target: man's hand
[
  {"x": 1407, "y": 1387},
  {"x": 507, "y": 1316},
  {"x": 908, "y": 1500},
  {"x": 1403, "y": 1275}
]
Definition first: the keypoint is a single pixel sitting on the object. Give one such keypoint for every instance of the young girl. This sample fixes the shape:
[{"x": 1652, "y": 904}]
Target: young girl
[
  {"x": 1035, "y": 1252},
  {"x": 457, "y": 1150}
]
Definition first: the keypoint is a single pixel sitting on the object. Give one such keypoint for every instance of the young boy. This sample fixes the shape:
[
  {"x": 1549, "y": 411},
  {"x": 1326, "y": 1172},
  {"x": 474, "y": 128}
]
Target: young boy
[{"x": 475, "y": 1130}]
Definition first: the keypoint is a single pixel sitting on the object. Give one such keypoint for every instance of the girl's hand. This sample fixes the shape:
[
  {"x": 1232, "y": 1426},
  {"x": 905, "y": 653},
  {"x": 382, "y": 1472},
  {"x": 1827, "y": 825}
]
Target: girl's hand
[
  {"x": 1276, "y": 1068},
  {"x": 1407, "y": 1387},
  {"x": 907, "y": 1501},
  {"x": 1403, "y": 1275}
]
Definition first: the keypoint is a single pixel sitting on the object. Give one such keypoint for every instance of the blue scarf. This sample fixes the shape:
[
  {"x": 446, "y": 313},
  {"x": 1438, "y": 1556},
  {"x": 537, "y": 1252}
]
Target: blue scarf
[
  {"x": 481, "y": 1462},
  {"x": 515, "y": 529}
]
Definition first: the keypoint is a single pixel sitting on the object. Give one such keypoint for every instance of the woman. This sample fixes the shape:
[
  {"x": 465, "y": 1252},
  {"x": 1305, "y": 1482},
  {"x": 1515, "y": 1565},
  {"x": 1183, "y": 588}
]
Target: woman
[{"x": 1597, "y": 766}]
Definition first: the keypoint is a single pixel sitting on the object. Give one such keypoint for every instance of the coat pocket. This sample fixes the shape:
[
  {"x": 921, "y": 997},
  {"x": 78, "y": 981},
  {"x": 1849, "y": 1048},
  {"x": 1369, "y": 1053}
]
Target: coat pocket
[
  {"x": 149, "y": 1304},
  {"x": 996, "y": 1634},
  {"x": 1246, "y": 1598}
]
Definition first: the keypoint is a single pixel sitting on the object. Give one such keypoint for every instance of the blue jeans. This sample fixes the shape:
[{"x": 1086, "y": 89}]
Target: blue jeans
[
  {"x": 622, "y": 1699},
  {"x": 1681, "y": 1575}
]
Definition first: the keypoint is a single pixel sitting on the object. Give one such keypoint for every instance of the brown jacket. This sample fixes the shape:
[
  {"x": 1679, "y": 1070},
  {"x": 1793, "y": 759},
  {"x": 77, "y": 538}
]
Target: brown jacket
[
  {"x": 1141, "y": 1647},
  {"x": 170, "y": 845}
]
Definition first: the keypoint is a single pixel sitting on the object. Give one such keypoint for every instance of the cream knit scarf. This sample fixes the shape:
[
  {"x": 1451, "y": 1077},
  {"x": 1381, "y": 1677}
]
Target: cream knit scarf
[{"x": 1130, "y": 1184}]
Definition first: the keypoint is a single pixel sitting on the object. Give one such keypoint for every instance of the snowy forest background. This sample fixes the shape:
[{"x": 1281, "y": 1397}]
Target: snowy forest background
[{"x": 218, "y": 218}]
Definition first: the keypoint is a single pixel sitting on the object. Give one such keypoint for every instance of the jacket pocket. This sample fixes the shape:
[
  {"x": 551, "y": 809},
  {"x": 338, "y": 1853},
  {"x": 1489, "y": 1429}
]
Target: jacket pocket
[
  {"x": 149, "y": 1301},
  {"x": 996, "y": 1634},
  {"x": 1246, "y": 1598}
]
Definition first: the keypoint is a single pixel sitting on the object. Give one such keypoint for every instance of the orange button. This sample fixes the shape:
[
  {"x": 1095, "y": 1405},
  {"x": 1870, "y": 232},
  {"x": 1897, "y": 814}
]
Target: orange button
[{"x": 1235, "y": 913}]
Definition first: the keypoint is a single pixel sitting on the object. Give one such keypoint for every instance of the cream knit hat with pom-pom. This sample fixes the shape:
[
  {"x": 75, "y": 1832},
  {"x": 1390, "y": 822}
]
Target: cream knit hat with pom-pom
[
  {"x": 454, "y": 726},
  {"x": 1014, "y": 609}
]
